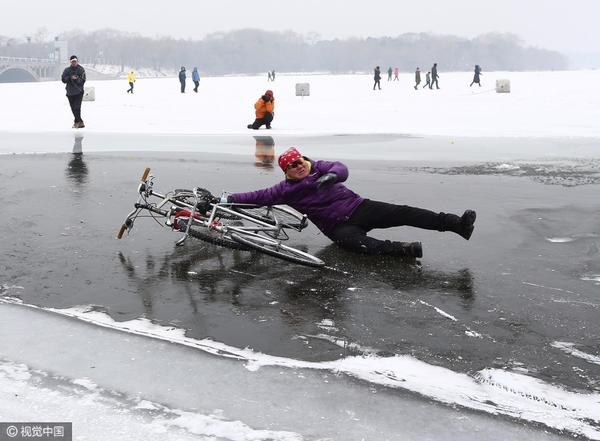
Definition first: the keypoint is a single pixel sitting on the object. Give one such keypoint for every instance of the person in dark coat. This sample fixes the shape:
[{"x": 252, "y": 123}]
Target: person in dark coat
[
  {"x": 377, "y": 78},
  {"x": 417, "y": 77},
  {"x": 316, "y": 189},
  {"x": 476, "y": 76},
  {"x": 182, "y": 78},
  {"x": 74, "y": 78},
  {"x": 390, "y": 74},
  {"x": 434, "y": 77}
]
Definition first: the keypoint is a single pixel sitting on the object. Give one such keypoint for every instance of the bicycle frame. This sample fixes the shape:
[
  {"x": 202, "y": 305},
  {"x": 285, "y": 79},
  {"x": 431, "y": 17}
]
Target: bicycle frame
[{"x": 197, "y": 210}]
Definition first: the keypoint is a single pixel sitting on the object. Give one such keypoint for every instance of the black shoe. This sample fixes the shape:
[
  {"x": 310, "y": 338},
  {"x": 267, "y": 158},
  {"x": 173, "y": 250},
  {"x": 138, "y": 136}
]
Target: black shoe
[
  {"x": 250, "y": 126},
  {"x": 404, "y": 249},
  {"x": 268, "y": 126},
  {"x": 415, "y": 250},
  {"x": 461, "y": 225},
  {"x": 467, "y": 221}
]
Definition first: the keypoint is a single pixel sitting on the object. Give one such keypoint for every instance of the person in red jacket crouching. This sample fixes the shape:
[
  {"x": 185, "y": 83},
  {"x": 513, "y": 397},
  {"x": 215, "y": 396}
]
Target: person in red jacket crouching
[
  {"x": 264, "y": 109},
  {"x": 316, "y": 188}
]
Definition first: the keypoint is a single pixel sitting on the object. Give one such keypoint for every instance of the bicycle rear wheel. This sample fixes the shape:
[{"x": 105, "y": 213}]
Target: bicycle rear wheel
[{"x": 275, "y": 248}]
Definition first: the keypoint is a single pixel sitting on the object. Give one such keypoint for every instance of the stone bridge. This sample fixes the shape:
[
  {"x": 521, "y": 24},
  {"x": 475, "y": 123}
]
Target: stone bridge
[{"x": 19, "y": 70}]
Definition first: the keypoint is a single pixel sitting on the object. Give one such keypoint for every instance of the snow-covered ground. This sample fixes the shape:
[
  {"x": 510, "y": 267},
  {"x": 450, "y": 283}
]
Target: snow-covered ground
[{"x": 540, "y": 104}]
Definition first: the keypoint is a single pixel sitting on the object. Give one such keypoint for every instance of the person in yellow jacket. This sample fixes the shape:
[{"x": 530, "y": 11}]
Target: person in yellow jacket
[
  {"x": 264, "y": 109},
  {"x": 130, "y": 80}
]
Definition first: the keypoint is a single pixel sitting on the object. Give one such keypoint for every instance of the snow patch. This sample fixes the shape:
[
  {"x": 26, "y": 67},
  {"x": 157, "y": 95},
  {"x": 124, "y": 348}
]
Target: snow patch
[
  {"x": 560, "y": 239},
  {"x": 439, "y": 311},
  {"x": 570, "y": 349}
]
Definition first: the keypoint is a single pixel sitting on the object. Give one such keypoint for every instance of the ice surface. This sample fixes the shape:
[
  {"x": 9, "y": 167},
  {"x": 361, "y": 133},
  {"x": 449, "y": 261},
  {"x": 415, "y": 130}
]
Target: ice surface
[{"x": 135, "y": 371}]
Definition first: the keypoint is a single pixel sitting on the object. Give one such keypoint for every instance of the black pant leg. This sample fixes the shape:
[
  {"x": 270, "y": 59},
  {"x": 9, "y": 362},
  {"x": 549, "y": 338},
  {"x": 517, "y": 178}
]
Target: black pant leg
[
  {"x": 258, "y": 122},
  {"x": 265, "y": 120},
  {"x": 354, "y": 238},
  {"x": 75, "y": 103},
  {"x": 352, "y": 235},
  {"x": 268, "y": 118},
  {"x": 375, "y": 214}
]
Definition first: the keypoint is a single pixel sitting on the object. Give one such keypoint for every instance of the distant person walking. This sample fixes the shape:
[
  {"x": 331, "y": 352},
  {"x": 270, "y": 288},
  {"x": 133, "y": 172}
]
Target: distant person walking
[
  {"x": 396, "y": 72},
  {"x": 476, "y": 76},
  {"x": 273, "y": 75},
  {"x": 182, "y": 78},
  {"x": 434, "y": 77},
  {"x": 264, "y": 109},
  {"x": 418, "y": 78},
  {"x": 427, "y": 80},
  {"x": 269, "y": 77},
  {"x": 74, "y": 78},
  {"x": 196, "y": 79},
  {"x": 131, "y": 81},
  {"x": 377, "y": 77},
  {"x": 390, "y": 73}
]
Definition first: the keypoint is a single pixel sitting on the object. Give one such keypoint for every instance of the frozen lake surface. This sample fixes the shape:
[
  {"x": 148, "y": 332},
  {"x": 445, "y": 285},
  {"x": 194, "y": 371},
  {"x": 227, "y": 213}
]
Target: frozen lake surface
[{"x": 494, "y": 338}]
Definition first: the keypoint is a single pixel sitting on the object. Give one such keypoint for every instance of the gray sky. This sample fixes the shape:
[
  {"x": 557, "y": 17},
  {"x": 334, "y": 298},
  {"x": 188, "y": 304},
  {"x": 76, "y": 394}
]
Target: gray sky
[{"x": 565, "y": 25}]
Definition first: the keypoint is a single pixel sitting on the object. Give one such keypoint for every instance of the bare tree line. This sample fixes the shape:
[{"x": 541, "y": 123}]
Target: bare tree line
[{"x": 250, "y": 51}]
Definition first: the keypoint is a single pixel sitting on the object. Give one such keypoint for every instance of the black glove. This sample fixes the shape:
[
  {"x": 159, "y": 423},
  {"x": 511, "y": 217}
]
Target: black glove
[
  {"x": 327, "y": 179},
  {"x": 266, "y": 98}
]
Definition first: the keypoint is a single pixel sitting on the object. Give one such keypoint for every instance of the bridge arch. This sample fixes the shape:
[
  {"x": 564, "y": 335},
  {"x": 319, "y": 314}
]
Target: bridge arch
[{"x": 17, "y": 75}]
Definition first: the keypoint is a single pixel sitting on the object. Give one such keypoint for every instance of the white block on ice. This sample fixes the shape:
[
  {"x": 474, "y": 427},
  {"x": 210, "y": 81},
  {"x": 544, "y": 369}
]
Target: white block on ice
[
  {"x": 89, "y": 94},
  {"x": 503, "y": 86},
  {"x": 302, "y": 89}
]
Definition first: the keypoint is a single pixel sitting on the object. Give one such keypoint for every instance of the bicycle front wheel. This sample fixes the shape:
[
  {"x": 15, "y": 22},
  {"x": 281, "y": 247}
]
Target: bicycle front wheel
[
  {"x": 284, "y": 215},
  {"x": 274, "y": 248},
  {"x": 215, "y": 238},
  {"x": 211, "y": 236}
]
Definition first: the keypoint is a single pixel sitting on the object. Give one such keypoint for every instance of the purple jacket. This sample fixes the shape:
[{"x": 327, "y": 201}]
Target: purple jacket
[{"x": 326, "y": 207}]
